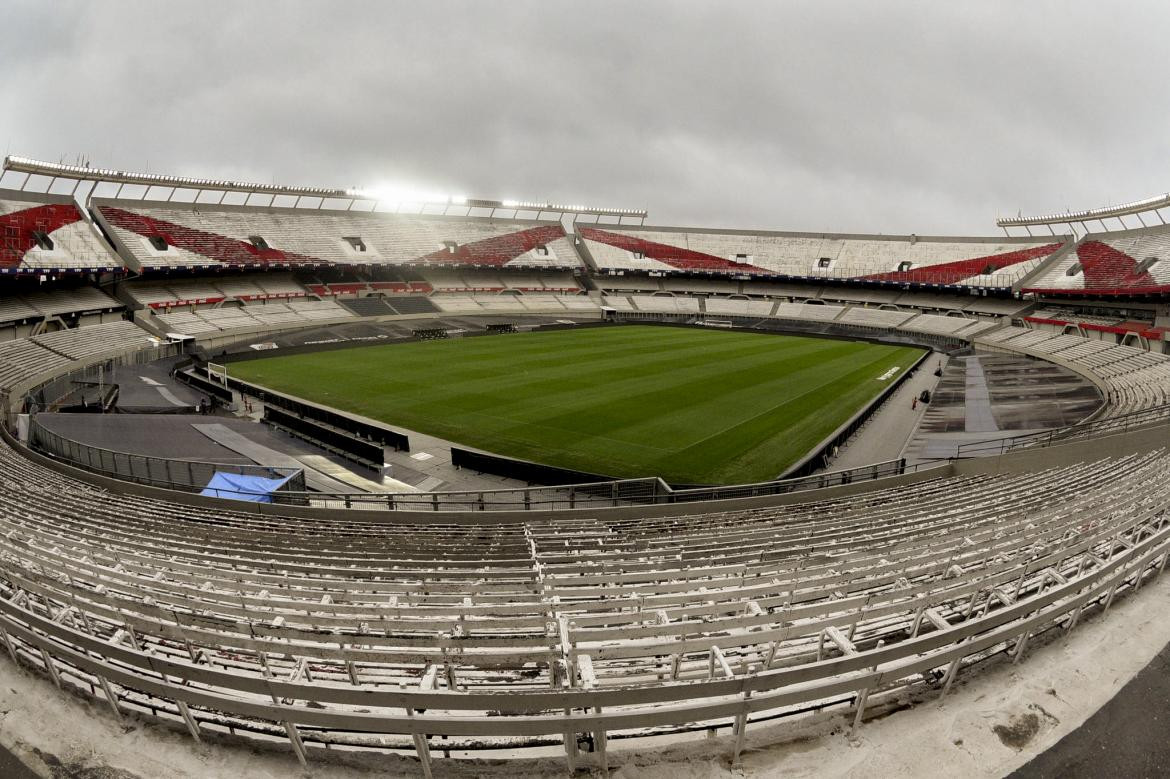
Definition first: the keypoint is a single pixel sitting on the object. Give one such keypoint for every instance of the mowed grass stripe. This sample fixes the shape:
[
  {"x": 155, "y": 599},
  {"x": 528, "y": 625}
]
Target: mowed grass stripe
[
  {"x": 743, "y": 388},
  {"x": 806, "y": 418},
  {"x": 691, "y": 405},
  {"x": 654, "y": 383}
]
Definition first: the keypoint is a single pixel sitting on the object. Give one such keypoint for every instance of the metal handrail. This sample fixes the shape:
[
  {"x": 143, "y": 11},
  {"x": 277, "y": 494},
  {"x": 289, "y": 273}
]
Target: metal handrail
[
  {"x": 165, "y": 472},
  {"x": 180, "y": 475},
  {"x": 621, "y": 492},
  {"x": 1112, "y": 425}
]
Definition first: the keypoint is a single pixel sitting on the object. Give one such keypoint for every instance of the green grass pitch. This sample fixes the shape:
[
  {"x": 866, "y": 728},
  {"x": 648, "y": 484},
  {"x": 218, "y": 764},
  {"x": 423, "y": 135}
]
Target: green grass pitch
[{"x": 687, "y": 404}]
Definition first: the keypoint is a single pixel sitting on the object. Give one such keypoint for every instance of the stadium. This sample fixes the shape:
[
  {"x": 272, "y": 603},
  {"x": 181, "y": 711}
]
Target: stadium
[
  {"x": 578, "y": 562},
  {"x": 314, "y": 480}
]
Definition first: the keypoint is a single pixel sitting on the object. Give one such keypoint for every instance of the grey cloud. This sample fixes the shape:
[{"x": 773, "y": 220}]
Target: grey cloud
[{"x": 890, "y": 117}]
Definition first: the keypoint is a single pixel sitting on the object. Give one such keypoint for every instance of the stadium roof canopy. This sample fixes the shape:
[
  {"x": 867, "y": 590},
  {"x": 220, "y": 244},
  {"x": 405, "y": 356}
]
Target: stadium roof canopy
[
  {"x": 1134, "y": 208},
  {"x": 79, "y": 173}
]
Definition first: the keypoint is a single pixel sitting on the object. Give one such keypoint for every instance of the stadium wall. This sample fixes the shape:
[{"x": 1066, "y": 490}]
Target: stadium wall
[
  {"x": 1016, "y": 461},
  {"x": 521, "y": 470},
  {"x": 359, "y": 427}
]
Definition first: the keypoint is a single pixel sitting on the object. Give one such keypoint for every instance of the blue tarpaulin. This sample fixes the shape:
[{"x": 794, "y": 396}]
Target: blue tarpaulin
[{"x": 236, "y": 486}]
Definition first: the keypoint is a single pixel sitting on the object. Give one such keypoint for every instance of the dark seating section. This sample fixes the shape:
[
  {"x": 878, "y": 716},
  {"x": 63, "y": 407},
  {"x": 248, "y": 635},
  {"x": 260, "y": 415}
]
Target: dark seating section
[
  {"x": 414, "y": 304},
  {"x": 371, "y": 306}
]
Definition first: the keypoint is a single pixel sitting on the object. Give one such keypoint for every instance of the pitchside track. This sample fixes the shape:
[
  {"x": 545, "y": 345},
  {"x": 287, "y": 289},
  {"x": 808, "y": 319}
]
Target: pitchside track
[{"x": 690, "y": 405}]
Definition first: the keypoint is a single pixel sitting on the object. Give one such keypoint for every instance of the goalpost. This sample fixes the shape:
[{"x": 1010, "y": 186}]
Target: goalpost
[{"x": 217, "y": 372}]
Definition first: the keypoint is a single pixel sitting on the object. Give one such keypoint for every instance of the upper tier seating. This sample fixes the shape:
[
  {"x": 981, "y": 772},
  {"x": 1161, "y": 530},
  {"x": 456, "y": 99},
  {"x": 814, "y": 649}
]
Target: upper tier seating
[
  {"x": 21, "y": 359},
  {"x": 874, "y": 317},
  {"x": 391, "y": 306},
  {"x": 1128, "y": 262},
  {"x": 995, "y": 306},
  {"x": 851, "y": 295},
  {"x": 187, "y": 235},
  {"x": 945, "y": 325},
  {"x": 83, "y": 342},
  {"x": 48, "y": 232},
  {"x": 736, "y": 307},
  {"x": 809, "y": 311},
  {"x": 998, "y": 262},
  {"x": 666, "y": 304},
  {"x": 368, "y": 306},
  {"x": 411, "y": 304},
  {"x": 16, "y": 308},
  {"x": 67, "y": 301},
  {"x": 835, "y": 294}
]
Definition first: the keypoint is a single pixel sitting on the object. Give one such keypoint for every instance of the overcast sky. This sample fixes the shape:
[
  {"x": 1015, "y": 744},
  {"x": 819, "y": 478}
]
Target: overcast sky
[{"x": 929, "y": 117}]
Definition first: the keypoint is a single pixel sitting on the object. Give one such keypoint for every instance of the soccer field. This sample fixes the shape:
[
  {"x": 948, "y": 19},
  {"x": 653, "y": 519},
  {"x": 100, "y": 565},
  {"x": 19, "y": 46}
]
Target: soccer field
[{"x": 687, "y": 404}]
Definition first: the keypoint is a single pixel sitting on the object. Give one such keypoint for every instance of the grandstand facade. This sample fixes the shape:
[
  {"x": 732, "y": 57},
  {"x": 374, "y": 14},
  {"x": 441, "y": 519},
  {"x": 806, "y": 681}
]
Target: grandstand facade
[
  {"x": 959, "y": 262},
  {"x": 576, "y": 617}
]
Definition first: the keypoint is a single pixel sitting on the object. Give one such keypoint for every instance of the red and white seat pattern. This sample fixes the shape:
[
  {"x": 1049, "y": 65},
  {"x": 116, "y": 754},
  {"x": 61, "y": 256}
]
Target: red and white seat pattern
[
  {"x": 1134, "y": 262},
  {"x": 40, "y": 233},
  {"x": 995, "y": 262},
  {"x": 163, "y": 294},
  {"x": 190, "y": 235}
]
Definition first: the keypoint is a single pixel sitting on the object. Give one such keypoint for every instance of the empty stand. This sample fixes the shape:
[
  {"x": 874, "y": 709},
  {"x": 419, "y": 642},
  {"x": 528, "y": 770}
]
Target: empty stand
[
  {"x": 261, "y": 316},
  {"x": 1124, "y": 263},
  {"x": 26, "y": 358},
  {"x": 465, "y": 632},
  {"x": 572, "y": 628},
  {"x": 1132, "y": 379},
  {"x": 370, "y": 306},
  {"x": 153, "y": 235},
  {"x": 48, "y": 232},
  {"x": 939, "y": 261},
  {"x": 200, "y": 291}
]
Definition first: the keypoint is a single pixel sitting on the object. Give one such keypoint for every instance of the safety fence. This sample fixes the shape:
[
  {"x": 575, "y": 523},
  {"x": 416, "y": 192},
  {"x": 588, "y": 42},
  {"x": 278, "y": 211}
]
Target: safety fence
[
  {"x": 164, "y": 472},
  {"x": 1118, "y": 425},
  {"x": 187, "y": 475}
]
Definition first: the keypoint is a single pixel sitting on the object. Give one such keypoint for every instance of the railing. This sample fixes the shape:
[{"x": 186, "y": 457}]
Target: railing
[
  {"x": 182, "y": 475},
  {"x": 605, "y": 494},
  {"x": 1111, "y": 426},
  {"x": 47, "y": 392},
  {"x": 192, "y": 476}
]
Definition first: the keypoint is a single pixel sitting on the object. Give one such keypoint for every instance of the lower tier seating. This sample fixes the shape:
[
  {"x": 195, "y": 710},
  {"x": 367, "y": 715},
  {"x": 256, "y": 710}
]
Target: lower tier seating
[
  {"x": 25, "y": 358},
  {"x": 362, "y": 633},
  {"x": 1132, "y": 379},
  {"x": 257, "y": 316}
]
